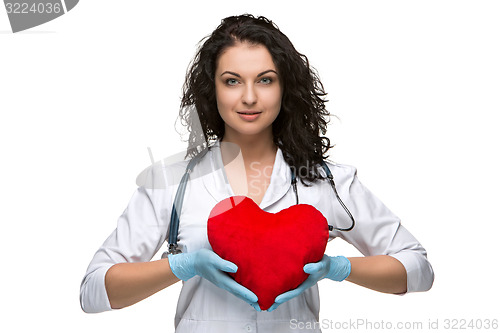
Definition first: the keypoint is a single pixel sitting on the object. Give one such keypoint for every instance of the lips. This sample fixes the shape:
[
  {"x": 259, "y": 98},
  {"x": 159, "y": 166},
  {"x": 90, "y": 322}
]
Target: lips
[
  {"x": 249, "y": 112},
  {"x": 249, "y": 115}
]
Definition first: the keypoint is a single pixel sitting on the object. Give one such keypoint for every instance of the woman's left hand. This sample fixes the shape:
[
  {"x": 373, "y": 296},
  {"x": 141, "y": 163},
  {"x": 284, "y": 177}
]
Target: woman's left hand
[{"x": 334, "y": 268}]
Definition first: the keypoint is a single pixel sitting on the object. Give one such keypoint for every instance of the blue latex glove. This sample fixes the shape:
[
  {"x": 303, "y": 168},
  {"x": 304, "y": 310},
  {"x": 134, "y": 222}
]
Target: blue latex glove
[
  {"x": 333, "y": 268},
  {"x": 210, "y": 266}
]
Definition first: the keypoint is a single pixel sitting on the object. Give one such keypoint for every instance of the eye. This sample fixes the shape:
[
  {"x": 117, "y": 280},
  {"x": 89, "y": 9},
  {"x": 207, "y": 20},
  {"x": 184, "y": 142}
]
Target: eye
[
  {"x": 231, "y": 82},
  {"x": 266, "y": 80}
]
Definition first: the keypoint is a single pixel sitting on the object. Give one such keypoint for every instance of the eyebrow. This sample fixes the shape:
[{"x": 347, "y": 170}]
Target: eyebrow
[{"x": 258, "y": 75}]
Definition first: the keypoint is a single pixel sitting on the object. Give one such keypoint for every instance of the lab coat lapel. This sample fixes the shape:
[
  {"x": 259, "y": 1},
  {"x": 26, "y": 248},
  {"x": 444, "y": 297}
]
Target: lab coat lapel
[
  {"x": 215, "y": 179},
  {"x": 280, "y": 181}
]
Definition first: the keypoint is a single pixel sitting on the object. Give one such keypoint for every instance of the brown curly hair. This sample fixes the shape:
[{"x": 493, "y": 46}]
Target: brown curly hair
[{"x": 303, "y": 117}]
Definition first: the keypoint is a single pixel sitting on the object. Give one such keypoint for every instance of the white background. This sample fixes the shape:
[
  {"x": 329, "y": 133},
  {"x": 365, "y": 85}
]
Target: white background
[{"x": 415, "y": 85}]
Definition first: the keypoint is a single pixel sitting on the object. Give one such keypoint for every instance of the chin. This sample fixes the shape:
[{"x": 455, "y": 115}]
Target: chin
[{"x": 248, "y": 131}]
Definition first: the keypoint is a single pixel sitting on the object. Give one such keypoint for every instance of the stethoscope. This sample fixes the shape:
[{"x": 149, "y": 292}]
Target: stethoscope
[{"x": 173, "y": 248}]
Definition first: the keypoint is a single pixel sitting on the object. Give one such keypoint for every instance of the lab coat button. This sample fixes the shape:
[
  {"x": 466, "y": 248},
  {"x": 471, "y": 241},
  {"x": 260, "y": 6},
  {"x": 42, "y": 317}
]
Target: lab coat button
[{"x": 248, "y": 328}]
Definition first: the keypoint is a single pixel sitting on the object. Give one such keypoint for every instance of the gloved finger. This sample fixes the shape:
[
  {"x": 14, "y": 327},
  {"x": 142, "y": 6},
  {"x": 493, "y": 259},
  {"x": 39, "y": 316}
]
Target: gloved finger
[
  {"x": 227, "y": 283},
  {"x": 314, "y": 267},
  {"x": 273, "y": 307},
  {"x": 223, "y": 265},
  {"x": 256, "y": 307},
  {"x": 308, "y": 283},
  {"x": 285, "y": 297}
]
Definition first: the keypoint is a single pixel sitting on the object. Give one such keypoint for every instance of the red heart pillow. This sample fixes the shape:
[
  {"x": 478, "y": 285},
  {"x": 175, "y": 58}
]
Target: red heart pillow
[{"x": 270, "y": 250}]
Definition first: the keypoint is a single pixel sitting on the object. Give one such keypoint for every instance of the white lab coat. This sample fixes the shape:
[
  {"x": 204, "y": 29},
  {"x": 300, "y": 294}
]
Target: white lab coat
[{"x": 203, "y": 307}]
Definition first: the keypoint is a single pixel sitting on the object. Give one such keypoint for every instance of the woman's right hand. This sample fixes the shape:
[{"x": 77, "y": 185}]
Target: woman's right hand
[{"x": 210, "y": 266}]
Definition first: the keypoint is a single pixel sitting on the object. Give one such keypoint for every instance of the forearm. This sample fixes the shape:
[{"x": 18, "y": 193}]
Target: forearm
[
  {"x": 129, "y": 283},
  {"x": 381, "y": 273}
]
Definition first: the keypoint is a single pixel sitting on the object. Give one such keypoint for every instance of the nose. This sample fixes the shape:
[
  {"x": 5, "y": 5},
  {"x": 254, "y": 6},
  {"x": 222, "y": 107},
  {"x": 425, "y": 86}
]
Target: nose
[{"x": 249, "y": 95}]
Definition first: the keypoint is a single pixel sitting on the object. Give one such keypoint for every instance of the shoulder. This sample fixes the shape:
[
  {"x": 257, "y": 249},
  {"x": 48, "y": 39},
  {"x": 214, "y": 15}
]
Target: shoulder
[
  {"x": 346, "y": 178},
  {"x": 342, "y": 172},
  {"x": 169, "y": 171},
  {"x": 162, "y": 174}
]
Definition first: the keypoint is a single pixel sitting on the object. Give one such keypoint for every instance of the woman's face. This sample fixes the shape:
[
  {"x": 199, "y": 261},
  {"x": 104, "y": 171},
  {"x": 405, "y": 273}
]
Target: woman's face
[{"x": 248, "y": 90}]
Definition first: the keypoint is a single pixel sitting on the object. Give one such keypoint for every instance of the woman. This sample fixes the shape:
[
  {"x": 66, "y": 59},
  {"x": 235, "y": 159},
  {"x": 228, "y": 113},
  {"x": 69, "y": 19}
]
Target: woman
[{"x": 249, "y": 88}]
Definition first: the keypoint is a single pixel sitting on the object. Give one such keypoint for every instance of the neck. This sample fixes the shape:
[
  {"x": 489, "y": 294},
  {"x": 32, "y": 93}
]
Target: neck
[{"x": 253, "y": 147}]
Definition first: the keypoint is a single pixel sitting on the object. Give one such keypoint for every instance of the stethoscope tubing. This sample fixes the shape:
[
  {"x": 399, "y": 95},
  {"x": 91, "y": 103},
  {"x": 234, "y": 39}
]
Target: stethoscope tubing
[{"x": 179, "y": 199}]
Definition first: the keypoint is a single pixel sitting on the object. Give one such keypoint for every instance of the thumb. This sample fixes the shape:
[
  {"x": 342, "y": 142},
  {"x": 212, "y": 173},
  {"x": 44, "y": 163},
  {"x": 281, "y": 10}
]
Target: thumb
[
  {"x": 224, "y": 265},
  {"x": 314, "y": 267}
]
